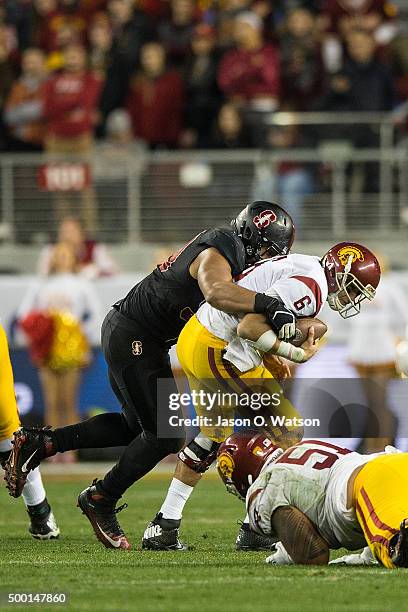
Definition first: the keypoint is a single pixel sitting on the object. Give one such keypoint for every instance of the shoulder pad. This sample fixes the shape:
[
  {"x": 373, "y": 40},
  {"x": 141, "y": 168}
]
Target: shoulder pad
[{"x": 229, "y": 245}]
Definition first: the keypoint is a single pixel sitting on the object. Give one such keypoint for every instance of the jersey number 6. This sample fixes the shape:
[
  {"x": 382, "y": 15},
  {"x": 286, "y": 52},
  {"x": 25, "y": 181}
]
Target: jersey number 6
[{"x": 304, "y": 301}]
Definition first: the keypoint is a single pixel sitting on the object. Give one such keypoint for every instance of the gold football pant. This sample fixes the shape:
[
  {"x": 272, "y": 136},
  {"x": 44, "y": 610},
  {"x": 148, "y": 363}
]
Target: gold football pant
[
  {"x": 381, "y": 501},
  {"x": 9, "y": 419},
  {"x": 201, "y": 356}
]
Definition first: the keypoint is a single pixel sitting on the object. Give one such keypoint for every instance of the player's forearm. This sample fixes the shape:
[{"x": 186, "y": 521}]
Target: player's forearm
[
  {"x": 252, "y": 326},
  {"x": 231, "y": 298},
  {"x": 299, "y": 537}
]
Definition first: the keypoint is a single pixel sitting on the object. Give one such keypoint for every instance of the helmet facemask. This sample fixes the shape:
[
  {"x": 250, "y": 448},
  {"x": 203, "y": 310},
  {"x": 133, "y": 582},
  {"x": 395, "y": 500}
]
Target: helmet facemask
[
  {"x": 346, "y": 283},
  {"x": 254, "y": 245},
  {"x": 231, "y": 488}
]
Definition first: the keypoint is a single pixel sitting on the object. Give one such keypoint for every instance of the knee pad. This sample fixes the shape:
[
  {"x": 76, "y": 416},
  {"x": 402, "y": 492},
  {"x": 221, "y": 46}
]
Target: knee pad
[{"x": 199, "y": 454}]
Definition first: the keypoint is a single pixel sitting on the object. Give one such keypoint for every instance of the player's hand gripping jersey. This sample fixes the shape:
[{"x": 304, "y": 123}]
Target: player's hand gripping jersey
[
  {"x": 296, "y": 280},
  {"x": 312, "y": 477}
]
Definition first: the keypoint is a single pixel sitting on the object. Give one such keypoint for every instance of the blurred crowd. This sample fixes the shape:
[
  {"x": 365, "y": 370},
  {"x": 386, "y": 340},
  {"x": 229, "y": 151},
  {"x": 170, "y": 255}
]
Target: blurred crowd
[{"x": 188, "y": 74}]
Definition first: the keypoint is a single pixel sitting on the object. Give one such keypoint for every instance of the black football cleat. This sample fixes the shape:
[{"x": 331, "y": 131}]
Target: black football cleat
[
  {"x": 30, "y": 446},
  {"x": 101, "y": 512},
  {"x": 162, "y": 534},
  {"x": 250, "y": 540},
  {"x": 42, "y": 522},
  {"x": 399, "y": 546}
]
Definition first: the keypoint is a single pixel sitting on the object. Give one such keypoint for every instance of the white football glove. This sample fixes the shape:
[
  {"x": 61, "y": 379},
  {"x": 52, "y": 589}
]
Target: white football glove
[
  {"x": 391, "y": 450},
  {"x": 280, "y": 556},
  {"x": 288, "y": 330},
  {"x": 363, "y": 558}
]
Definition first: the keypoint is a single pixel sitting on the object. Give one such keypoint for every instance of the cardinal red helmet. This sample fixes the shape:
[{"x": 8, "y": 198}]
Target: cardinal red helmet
[
  {"x": 241, "y": 457},
  {"x": 352, "y": 273}
]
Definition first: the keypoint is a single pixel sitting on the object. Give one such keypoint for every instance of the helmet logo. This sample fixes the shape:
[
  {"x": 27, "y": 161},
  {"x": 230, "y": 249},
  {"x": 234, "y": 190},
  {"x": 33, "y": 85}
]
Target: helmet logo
[
  {"x": 226, "y": 464},
  {"x": 345, "y": 252},
  {"x": 265, "y": 218},
  {"x": 137, "y": 347}
]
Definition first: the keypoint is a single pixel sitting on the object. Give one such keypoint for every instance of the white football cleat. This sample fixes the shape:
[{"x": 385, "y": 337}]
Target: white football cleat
[{"x": 280, "y": 557}]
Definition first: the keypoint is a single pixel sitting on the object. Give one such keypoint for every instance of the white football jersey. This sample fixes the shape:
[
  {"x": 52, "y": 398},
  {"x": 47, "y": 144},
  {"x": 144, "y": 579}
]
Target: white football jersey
[
  {"x": 312, "y": 477},
  {"x": 297, "y": 280}
]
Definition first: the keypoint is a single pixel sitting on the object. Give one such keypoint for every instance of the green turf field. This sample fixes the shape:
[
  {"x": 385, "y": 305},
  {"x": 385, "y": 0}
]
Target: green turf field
[{"x": 210, "y": 577}]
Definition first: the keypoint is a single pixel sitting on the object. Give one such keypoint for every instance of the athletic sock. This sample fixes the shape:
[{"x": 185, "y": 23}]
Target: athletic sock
[
  {"x": 176, "y": 499},
  {"x": 33, "y": 491}
]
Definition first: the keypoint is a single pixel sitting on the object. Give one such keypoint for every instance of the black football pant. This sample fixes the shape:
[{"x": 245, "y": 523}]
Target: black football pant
[{"x": 135, "y": 363}]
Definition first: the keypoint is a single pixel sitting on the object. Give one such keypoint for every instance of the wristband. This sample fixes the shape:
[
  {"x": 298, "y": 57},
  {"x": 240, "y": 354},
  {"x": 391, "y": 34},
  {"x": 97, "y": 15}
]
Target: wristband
[
  {"x": 266, "y": 341},
  {"x": 261, "y": 302},
  {"x": 293, "y": 353}
]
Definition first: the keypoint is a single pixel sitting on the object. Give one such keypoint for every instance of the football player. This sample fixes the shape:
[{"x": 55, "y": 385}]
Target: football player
[
  {"x": 213, "y": 351},
  {"x": 316, "y": 496},
  {"x": 42, "y": 521},
  {"x": 136, "y": 336}
]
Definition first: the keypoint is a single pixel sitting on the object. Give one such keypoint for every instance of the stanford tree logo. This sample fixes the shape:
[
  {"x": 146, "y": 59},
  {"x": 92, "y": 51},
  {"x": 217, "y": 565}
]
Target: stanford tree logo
[
  {"x": 265, "y": 218},
  {"x": 137, "y": 347}
]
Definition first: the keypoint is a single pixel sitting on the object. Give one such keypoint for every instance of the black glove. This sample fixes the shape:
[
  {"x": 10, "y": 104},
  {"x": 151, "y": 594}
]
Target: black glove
[{"x": 282, "y": 320}]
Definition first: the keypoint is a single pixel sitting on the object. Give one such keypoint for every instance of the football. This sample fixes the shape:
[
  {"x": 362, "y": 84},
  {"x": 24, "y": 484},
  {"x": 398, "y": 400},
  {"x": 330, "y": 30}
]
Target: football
[{"x": 302, "y": 328}]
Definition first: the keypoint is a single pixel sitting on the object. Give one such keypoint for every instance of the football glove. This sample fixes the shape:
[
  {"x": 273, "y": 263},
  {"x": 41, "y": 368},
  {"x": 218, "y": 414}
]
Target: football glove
[
  {"x": 391, "y": 450},
  {"x": 282, "y": 320},
  {"x": 363, "y": 558}
]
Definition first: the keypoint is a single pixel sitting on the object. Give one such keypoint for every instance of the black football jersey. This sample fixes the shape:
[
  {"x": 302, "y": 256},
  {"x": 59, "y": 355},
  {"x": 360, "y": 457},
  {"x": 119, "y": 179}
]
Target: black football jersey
[{"x": 165, "y": 299}]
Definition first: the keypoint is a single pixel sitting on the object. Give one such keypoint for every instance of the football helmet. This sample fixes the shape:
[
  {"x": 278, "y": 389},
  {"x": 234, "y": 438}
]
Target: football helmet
[
  {"x": 241, "y": 457},
  {"x": 352, "y": 272},
  {"x": 264, "y": 224}
]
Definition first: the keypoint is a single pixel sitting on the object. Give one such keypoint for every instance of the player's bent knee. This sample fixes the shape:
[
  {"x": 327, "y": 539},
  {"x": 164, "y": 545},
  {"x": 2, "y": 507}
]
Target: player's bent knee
[
  {"x": 165, "y": 446},
  {"x": 174, "y": 445},
  {"x": 168, "y": 446}
]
